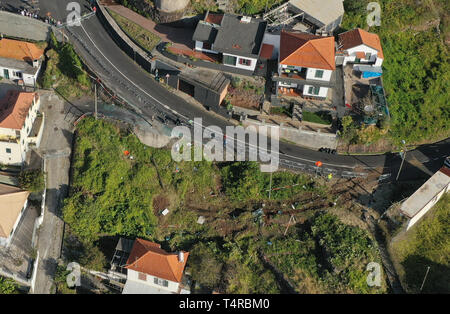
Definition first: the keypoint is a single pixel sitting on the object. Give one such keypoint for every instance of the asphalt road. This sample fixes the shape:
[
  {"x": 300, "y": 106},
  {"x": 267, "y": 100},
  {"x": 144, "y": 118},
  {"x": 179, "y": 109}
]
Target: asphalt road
[{"x": 134, "y": 84}]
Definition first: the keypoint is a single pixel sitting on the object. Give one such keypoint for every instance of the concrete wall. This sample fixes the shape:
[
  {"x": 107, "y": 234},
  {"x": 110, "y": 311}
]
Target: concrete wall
[{"x": 15, "y": 25}]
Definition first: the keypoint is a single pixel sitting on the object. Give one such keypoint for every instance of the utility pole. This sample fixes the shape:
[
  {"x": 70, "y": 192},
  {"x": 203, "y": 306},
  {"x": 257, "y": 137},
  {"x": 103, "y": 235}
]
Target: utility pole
[
  {"x": 270, "y": 185},
  {"x": 425, "y": 278},
  {"x": 95, "y": 96},
  {"x": 403, "y": 159}
]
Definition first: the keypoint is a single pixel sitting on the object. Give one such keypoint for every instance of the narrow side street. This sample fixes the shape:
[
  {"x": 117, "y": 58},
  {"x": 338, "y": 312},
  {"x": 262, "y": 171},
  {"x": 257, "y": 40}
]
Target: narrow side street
[{"x": 55, "y": 149}]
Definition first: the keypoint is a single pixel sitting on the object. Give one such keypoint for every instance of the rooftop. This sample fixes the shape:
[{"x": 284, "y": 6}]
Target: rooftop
[
  {"x": 14, "y": 109},
  {"x": 11, "y": 205},
  {"x": 23, "y": 66},
  {"x": 325, "y": 13},
  {"x": 19, "y": 50},
  {"x": 307, "y": 50},
  {"x": 148, "y": 257},
  {"x": 234, "y": 35},
  {"x": 358, "y": 36},
  {"x": 414, "y": 204}
]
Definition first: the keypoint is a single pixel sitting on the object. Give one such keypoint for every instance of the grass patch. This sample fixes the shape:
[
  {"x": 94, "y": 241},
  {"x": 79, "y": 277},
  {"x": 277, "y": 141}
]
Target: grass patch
[
  {"x": 320, "y": 117},
  {"x": 427, "y": 244},
  {"x": 140, "y": 35},
  {"x": 64, "y": 71}
]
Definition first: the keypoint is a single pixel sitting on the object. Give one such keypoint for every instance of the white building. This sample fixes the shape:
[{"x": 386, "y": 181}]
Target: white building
[
  {"x": 238, "y": 39},
  {"x": 13, "y": 203},
  {"x": 305, "y": 66},
  {"x": 426, "y": 196},
  {"x": 151, "y": 270},
  {"x": 20, "y": 61},
  {"x": 18, "y": 112},
  {"x": 361, "y": 47}
]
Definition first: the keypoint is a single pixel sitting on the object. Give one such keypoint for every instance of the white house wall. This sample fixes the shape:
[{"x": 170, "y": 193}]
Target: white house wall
[
  {"x": 240, "y": 66},
  {"x": 323, "y": 91},
  {"x": 19, "y": 147},
  {"x": 28, "y": 79},
  {"x": 424, "y": 210},
  {"x": 366, "y": 49},
  {"x": 311, "y": 72},
  {"x": 134, "y": 275}
]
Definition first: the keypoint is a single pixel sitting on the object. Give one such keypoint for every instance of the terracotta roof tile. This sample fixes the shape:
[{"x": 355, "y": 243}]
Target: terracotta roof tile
[
  {"x": 148, "y": 257},
  {"x": 19, "y": 50},
  {"x": 214, "y": 18},
  {"x": 358, "y": 37},
  {"x": 266, "y": 51},
  {"x": 14, "y": 108},
  {"x": 307, "y": 50},
  {"x": 11, "y": 205}
]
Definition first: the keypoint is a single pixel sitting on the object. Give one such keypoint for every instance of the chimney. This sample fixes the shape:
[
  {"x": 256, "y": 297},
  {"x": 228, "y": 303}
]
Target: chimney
[
  {"x": 35, "y": 63},
  {"x": 181, "y": 257},
  {"x": 246, "y": 19}
]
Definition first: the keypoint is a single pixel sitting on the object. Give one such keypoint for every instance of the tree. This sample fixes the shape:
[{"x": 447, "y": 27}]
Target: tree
[
  {"x": 205, "y": 266},
  {"x": 7, "y": 286},
  {"x": 32, "y": 180}
]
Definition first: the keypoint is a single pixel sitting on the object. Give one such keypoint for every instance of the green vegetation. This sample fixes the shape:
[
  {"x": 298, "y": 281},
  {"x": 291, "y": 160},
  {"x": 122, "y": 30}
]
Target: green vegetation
[
  {"x": 287, "y": 111},
  {"x": 64, "y": 71},
  {"x": 416, "y": 65},
  {"x": 427, "y": 244},
  {"x": 325, "y": 256},
  {"x": 144, "y": 38},
  {"x": 113, "y": 194},
  {"x": 320, "y": 117},
  {"x": 8, "y": 286},
  {"x": 31, "y": 180},
  {"x": 251, "y": 7},
  {"x": 248, "y": 7},
  {"x": 60, "y": 281}
]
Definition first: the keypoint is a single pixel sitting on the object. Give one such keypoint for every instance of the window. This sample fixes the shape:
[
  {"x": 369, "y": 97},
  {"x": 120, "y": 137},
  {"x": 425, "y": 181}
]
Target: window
[
  {"x": 313, "y": 90},
  {"x": 245, "y": 62},
  {"x": 161, "y": 282},
  {"x": 229, "y": 60},
  {"x": 8, "y": 150},
  {"x": 319, "y": 74},
  {"x": 142, "y": 276},
  {"x": 207, "y": 46}
]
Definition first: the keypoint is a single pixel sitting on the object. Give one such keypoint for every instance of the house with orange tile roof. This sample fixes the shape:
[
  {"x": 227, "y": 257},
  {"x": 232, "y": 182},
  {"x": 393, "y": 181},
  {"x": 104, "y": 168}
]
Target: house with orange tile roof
[
  {"x": 18, "y": 130},
  {"x": 152, "y": 270},
  {"x": 360, "y": 47},
  {"x": 13, "y": 202},
  {"x": 306, "y": 64},
  {"x": 20, "y": 61}
]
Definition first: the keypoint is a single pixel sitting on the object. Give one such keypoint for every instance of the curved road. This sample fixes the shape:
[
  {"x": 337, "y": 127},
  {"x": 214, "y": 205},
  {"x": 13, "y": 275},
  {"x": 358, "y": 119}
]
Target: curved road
[{"x": 134, "y": 84}]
